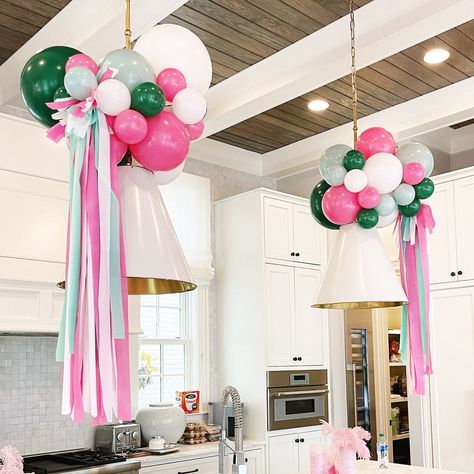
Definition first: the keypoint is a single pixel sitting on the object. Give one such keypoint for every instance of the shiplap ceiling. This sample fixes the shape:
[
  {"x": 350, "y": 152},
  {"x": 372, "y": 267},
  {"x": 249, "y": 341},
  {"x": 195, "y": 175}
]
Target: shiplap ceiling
[
  {"x": 22, "y": 19},
  {"x": 389, "y": 82}
]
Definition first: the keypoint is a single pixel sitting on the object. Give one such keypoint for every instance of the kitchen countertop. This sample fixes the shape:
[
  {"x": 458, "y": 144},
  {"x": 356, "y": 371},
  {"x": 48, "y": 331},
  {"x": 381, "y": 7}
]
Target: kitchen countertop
[
  {"x": 187, "y": 452},
  {"x": 372, "y": 467}
]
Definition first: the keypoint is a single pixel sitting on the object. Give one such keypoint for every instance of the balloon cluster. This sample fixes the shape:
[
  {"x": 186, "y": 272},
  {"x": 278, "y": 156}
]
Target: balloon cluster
[
  {"x": 152, "y": 96},
  {"x": 372, "y": 184}
]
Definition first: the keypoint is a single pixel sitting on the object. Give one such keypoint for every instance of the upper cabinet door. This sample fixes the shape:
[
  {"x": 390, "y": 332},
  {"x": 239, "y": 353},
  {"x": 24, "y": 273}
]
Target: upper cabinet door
[
  {"x": 442, "y": 242},
  {"x": 464, "y": 212},
  {"x": 310, "y": 323},
  {"x": 278, "y": 229},
  {"x": 307, "y": 236},
  {"x": 280, "y": 309}
]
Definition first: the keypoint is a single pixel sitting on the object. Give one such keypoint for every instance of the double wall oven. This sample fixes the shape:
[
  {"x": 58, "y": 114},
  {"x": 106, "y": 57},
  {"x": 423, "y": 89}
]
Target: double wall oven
[{"x": 297, "y": 398}]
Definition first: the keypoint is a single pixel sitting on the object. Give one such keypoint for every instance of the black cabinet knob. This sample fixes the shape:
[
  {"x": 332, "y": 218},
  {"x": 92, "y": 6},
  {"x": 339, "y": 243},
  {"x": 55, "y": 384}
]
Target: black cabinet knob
[
  {"x": 295, "y": 358},
  {"x": 453, "y": 274},
  {"x": 300, "y": 359},
  {"x": 292, "y": 254},
  {"x": 297, "y": 254},
  {"x": 302, "y": 440},
  {"x": 297, "y": 440},
  {"x": 459, "y": 272}
]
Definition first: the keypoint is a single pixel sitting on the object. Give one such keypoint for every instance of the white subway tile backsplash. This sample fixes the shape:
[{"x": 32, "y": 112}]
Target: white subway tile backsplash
[{"x": 30, "y": 398}]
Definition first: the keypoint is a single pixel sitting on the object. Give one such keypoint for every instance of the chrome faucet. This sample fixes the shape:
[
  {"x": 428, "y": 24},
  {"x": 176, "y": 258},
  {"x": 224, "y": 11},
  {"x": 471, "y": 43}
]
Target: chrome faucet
[{"x": 238, "y": 462}]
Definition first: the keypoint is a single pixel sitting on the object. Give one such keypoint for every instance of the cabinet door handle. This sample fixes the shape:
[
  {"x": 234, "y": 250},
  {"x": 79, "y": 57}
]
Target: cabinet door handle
[
  {"x": 459, "y": 272},
  {"x": 295, "y": 358},
  {"x": 302, "y": 440},
  {"x": 300, "y": 359},
  {"x": 292, "y": 254},
  {"x": 188, "y": 472},
  {"x": 453, "y": 274},
  {"x": 297, "y": 440}
]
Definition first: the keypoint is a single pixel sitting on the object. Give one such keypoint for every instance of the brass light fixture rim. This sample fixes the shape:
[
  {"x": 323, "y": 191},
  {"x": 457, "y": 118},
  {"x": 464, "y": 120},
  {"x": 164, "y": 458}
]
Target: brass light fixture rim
[
  {"x": 360, "y": 305},
  {"x": 152, "y": 286}
]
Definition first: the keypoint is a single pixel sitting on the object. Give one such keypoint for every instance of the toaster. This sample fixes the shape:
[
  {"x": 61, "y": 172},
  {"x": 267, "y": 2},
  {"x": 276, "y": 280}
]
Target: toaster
[{"x": 118, "y": 437}]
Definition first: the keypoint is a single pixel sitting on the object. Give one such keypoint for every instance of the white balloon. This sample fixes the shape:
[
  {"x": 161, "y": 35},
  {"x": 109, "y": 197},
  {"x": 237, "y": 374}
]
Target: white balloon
[
  {"x": 112, "y": 97},
  {"x": 384, "y": 172},
  {"x": 189, "y": 106},
  {"x": 385, "y": 221},
  {"x": 166, "y": 177},
  {"x": 355, "y": 181},
  {"x": 172, "y": 46}
]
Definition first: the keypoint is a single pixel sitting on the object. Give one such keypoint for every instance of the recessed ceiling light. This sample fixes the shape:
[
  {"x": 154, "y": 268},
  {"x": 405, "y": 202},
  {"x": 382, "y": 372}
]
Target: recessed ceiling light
[
  {"x": 436, "y": 56},
  {"x": 317, "y": 105}
]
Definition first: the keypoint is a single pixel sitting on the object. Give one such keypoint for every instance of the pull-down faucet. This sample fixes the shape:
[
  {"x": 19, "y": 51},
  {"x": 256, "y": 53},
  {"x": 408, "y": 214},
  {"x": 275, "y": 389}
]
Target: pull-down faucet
[{"x": 238, "y": 463}]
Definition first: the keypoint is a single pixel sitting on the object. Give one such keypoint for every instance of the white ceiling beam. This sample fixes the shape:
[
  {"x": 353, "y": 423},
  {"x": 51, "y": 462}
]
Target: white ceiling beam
[
  {"x": 383, "y": 28},
  {"x": 94, "y": 27},
  {"x": 440, "y": 108}
]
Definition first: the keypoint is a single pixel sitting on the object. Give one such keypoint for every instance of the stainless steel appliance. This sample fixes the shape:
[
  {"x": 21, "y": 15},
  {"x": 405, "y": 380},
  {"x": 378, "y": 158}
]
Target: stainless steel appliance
[
  {"x": 224, "y": 414},
  {"x": 118, "y": 437},
  {"x": 297, "y": 398},
  {"x": 79, "y": 462},
  {"x": 360, "y": 372}
]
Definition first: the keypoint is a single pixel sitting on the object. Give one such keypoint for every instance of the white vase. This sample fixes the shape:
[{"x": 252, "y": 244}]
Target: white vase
[{"x": 161, "y": 420}]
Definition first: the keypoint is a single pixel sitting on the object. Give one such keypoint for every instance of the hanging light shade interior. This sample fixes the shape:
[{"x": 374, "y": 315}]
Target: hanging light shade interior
[
  {"x": 359, "y": 274},
  {"x": 154, "y": 258}
]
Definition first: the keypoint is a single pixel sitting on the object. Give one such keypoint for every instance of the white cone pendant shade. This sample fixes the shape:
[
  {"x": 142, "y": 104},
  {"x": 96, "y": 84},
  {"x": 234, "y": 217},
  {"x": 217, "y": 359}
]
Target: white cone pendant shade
[
  {"x": 154, "y": 259},
  {"x": 359, "y": 274}
]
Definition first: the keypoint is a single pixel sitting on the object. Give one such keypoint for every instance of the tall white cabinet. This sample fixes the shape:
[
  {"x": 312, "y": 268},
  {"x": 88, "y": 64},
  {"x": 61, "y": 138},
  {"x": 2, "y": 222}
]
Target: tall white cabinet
[{"x": 269, "y": 257}]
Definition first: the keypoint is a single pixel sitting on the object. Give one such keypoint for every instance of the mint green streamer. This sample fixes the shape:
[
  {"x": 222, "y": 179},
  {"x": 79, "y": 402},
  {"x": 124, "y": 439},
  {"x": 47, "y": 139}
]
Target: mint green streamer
[{"x": 405, "y": 236}]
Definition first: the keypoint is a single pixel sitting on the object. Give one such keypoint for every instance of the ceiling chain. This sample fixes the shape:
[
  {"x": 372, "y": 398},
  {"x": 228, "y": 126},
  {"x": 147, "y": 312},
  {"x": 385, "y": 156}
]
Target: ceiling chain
[
  {"x": 353, "y": 70},
  {"x": 128, "y": 31}
]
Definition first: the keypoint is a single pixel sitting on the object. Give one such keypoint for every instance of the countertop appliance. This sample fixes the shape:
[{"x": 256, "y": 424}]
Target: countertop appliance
[
  {"x": 297, "y": 398},
  {"x": 79, "y": 462},
  {"x": 118, "y": 437},
  {"x": 220, "y": 413}
]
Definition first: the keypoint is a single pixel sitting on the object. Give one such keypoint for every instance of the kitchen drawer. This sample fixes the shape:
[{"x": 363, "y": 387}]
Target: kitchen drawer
[{"x": 196, "y": 466}]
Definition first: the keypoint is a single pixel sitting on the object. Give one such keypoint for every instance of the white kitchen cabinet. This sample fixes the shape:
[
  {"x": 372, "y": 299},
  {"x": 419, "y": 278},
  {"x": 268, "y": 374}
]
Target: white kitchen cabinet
[
  {"x": 291, "y": 233},
  {"x": 296, "y": 331},
  {"x": 290, "y": 454},
  {"x": 451, "y": 252},
  {"x": 452, "y": 383}
]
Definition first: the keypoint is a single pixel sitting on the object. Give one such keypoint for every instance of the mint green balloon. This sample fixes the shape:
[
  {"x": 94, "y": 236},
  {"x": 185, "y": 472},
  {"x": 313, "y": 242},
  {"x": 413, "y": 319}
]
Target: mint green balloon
[
  {"x": 404, "y": 194},
  {"x": 387, "y": 205},
  {"x": 333, "y": 156},
  {"x": 133, "y": 68},
  {"x": 79, "y": 82},
  {"x": 416, "y": 152},
  {"x": 335, "y": 175}
]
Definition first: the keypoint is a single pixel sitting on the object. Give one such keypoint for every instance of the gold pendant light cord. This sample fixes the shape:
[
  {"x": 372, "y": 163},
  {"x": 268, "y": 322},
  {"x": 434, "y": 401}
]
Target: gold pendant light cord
[
  {"x": 353, "y": 71},
  {"x": 128, "y": 31}
]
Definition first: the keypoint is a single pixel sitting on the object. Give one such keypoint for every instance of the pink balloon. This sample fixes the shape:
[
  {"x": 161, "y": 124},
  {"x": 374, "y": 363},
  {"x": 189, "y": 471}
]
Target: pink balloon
[
  {"x": 369, "y": 197},
  {"x": 413, "y": 173},
  {"x": 117, "y": 149},
  {"x": 340, "y": 206},
  {"x": 171, "y": 81},
  {"x": 375, "y": 140},
  {"x": 195, "y": 130},
  {"x": 82, "y": 60},
  {"x": 166, "y": 144},
  {"x": 130, "y": 126}
]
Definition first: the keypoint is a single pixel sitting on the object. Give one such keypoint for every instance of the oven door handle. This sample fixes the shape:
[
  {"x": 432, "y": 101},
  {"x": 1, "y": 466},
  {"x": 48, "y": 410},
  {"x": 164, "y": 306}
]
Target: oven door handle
[{"x": 300, "y": 392}]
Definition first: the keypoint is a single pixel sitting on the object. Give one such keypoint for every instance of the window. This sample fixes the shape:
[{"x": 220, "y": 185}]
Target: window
[{"x": 165, "y": 347}]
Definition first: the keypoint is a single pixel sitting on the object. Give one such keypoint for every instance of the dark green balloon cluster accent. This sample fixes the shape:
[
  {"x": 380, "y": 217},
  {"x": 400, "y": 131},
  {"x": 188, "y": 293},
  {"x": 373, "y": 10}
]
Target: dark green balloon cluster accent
[
  {"x": 148, "y": 99},
  {"x": 61, "y": 93},
  {"x": 353, "y": 160},
  {"x": 368, "y": 218},
  {"x": 41, "y": 77},
  {"x": 424, "y": 189},
  {"x": 411, "y": 209},
  {"x": 317, "y": 206}
]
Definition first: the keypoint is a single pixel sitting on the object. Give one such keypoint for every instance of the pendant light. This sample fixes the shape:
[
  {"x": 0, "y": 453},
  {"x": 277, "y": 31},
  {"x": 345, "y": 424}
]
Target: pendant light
[
  {"x": 155, "y": 260},
  {"x": 359, "y": 274}
]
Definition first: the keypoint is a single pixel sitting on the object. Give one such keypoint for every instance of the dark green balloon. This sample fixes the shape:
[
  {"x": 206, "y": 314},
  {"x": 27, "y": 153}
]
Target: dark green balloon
[
  {"x": 317, "y": 206},
  {"x": 41, "y": 77},
  {"x": 148, "y": 99},
  {"x": 353, "y": 160},
  {"x": 61, "y": 93},
  {"x": 424, "y": 189},
  {"x": 368, "y": 218},
  {"x": 411, "y": 209}
]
